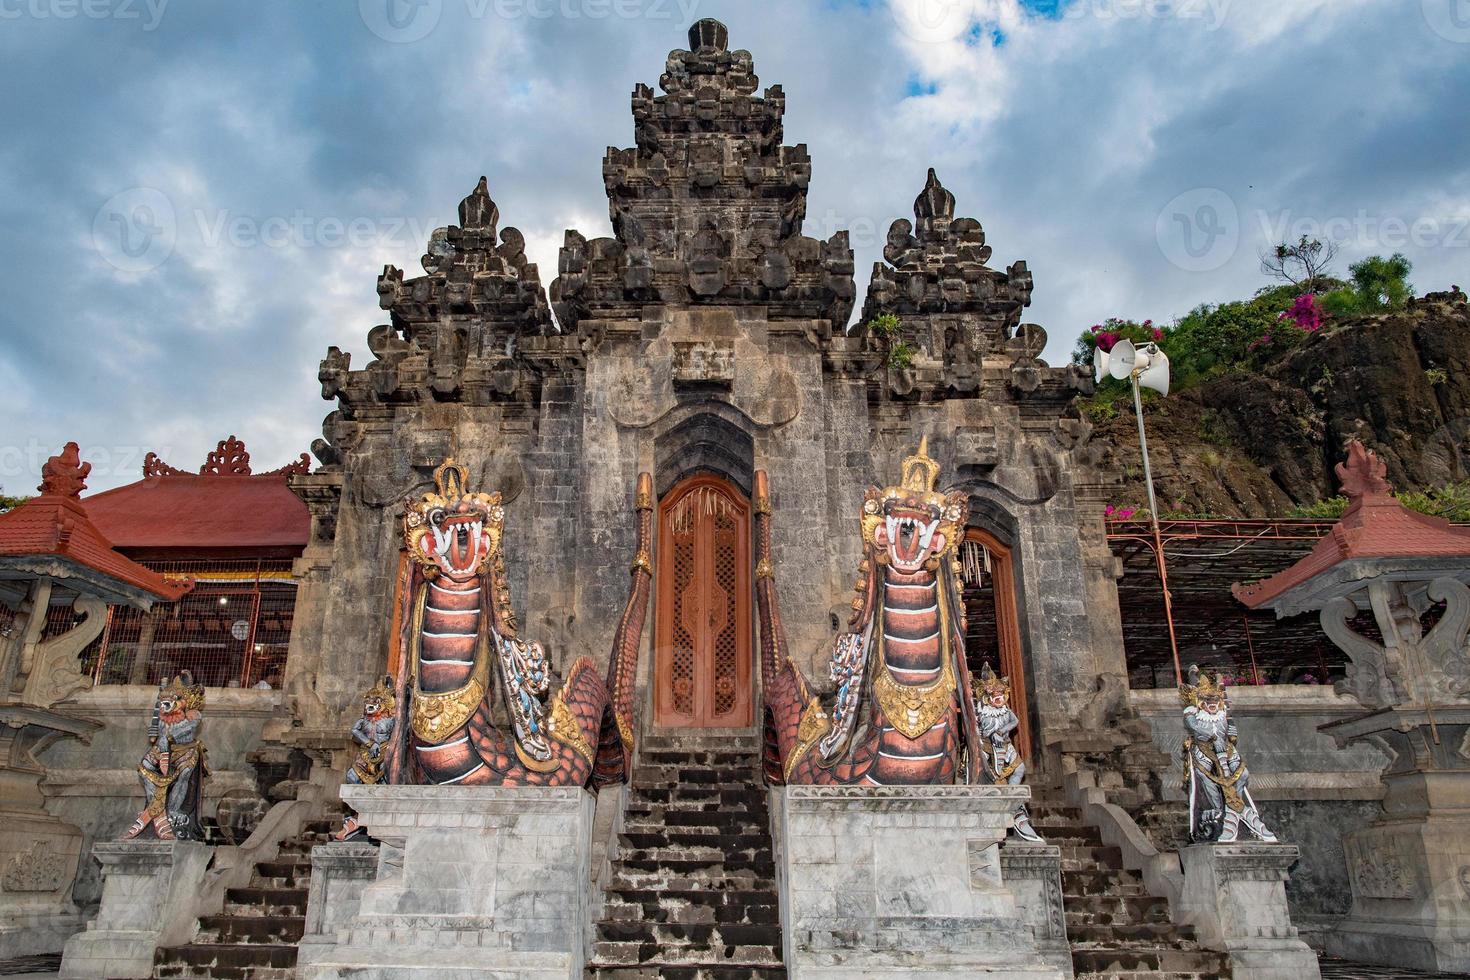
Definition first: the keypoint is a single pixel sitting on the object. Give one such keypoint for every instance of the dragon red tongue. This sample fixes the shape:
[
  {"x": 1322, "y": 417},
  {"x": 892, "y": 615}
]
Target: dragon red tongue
[{"x": 459, "y": 547}]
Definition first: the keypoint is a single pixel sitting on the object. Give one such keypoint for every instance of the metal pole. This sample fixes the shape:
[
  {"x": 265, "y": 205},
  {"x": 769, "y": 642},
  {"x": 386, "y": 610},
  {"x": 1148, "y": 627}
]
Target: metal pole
[{"x": 1153, "y": 516}]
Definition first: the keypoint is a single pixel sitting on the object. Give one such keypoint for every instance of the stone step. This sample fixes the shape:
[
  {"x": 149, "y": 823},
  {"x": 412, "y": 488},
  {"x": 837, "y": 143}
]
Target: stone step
[
  {"x": 226, "y": 962},
  {"x": 705, "y": 936},
  {"x": 1164, "y": 934},
  {"x": 251, "y": 929},
  {"x": 719, "y": 794},
  {"x": 265, "y": 901},
  {"x": 689, "y": 973},
  {"x": 712, "y": 758},
  {"x": 628, "y": 882},
  {"x": 286, "y": 873},
  {"x": 1130, "y": 961},
  {"x": 606, "y": 954},
  {"x": 718, "y": 867},
  {"x": 678, "y": 837},
  {"x": 1120, "y": 908},
  {"x": 747, "y": 744},
  {"x": 666, "y": 909}
]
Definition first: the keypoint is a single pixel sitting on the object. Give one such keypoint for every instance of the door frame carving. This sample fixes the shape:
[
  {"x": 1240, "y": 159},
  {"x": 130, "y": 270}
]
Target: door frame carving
[{"x": 1008, "y": 630}]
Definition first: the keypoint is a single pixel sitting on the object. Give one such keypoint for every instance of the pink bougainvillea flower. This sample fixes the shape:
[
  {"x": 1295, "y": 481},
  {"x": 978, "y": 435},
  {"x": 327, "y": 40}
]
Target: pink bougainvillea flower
[{"x": 1305, "y": 312}]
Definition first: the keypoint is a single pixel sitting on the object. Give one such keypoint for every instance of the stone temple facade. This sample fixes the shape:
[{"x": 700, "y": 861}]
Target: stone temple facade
[
  {"x": 707, "y": 342},
  {"x": 708, "y": 336}
]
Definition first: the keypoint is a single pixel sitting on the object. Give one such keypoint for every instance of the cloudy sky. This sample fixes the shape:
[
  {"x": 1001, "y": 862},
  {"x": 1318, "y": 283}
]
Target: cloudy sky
[{"x": 198, "y": 196}]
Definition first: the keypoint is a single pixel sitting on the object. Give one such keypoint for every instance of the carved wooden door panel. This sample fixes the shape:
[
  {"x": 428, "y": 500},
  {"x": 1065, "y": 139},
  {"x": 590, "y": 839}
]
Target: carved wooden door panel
[
  {"x": 703, "y": 631},
  {"x": 993, "y": 628}
]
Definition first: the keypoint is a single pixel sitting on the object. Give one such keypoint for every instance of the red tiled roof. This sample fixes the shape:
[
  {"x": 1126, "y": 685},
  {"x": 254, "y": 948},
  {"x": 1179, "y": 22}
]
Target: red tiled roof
[
  {"x": 57, "y": 524},
  {"x": 1375, "y": 525},
  {"x": 224, "y": 505}
]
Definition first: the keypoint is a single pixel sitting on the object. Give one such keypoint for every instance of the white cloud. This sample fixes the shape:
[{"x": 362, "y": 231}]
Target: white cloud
[{"x": 1066, "y": 136}]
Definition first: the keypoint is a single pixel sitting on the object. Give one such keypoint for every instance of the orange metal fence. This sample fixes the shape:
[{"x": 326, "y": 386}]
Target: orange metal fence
[{"x": 231, "y": 630}]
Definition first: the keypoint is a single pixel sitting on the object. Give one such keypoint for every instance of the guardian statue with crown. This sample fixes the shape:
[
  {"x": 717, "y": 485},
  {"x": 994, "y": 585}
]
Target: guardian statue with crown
[
  {"x": 998, "y": 723},
  {"x": 173, "y": 770},
  {"x": 1216, "y": 777},
  {"x": 372, "y": 732}
]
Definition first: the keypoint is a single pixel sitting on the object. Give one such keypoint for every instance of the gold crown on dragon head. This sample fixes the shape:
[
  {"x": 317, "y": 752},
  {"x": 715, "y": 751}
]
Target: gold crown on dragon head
[
  {"x": 910, "y": 525},
  {"x": 452, "y": 530}
]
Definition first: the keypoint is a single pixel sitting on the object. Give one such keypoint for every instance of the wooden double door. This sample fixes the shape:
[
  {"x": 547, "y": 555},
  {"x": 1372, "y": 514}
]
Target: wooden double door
[{"x": 703, "y": 631}]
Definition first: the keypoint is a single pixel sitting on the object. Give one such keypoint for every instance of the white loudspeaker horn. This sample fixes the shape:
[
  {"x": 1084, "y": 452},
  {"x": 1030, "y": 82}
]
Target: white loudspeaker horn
[
  {"x": 1099, "y": 363},
  {"x": 1155, "y": 374},
  {"x": 1121, "y": 359}
]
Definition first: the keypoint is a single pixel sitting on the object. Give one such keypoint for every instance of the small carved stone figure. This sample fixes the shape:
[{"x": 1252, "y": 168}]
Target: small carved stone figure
[
  {"x": 1216, "y": 776},
  {"x": 373, "y": 732},
  {"x": 1002, "y": 761},
  {"x": 172, "y": 773}
]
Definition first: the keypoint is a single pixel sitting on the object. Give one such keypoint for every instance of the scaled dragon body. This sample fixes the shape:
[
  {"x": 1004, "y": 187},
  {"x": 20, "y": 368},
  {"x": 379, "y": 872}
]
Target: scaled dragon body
[
  {"x": 901, "y": 713},
  {"x": 475, "y": 700}
]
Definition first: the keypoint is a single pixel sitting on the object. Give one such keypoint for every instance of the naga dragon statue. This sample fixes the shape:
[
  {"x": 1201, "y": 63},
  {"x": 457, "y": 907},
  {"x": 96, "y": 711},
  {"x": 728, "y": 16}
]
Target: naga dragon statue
[
  {"x": 474, "y": 700},
  {"x": 902, "y": 711}
]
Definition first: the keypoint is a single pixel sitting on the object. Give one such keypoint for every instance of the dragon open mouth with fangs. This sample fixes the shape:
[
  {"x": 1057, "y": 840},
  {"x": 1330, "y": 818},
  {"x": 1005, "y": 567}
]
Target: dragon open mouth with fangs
[{"x": 468, "y": 670}]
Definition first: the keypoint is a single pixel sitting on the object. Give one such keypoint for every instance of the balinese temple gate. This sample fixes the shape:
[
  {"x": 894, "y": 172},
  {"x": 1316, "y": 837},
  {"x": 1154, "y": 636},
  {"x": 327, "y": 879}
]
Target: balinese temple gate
[{"x": 673, "y": 622}]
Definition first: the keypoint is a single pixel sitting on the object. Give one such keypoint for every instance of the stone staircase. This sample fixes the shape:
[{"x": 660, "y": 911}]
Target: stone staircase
[
  {"x": 255, "y": 937},
  {"x": 1115, "y": 927},
  {"x": 692, "y": 891}
]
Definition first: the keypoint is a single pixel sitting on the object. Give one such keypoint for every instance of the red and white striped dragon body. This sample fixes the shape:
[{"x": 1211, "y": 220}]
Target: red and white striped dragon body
[
  {"x": 901, "y": 713},
  {"x": 475, "y": 699}
]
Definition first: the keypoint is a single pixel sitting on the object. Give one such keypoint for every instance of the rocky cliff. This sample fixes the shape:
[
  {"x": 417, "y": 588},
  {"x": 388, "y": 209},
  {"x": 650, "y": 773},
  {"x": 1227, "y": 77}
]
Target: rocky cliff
[{"x": 1257, "y": 445}]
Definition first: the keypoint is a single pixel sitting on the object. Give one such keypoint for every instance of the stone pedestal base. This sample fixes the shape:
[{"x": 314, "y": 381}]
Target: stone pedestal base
[
  {"x": 39, "y": 852},
  {"x": 901, "y": 881},
  {"x": 339, "y": 874},
  {"x": 1235, "y": 897},
  {"x": 38, "y": 863},
  {"x": 1033, "y": 873},
  {"x": 150, "y": 891},
  {"x": 1410, "y": 869},
  {"x": 1411, "y": 895},
  {"x": 470, "y": 881}
]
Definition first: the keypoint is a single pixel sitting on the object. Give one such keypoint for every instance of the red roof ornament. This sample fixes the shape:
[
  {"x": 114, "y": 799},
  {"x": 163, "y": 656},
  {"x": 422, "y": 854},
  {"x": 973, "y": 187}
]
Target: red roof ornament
[
  {"x": 225, "y": 507},
  {"x": 54, "y": 531},
  {"x": 1363, "y": 473},
  {"x": 64, "y": 474},
  {"x": 228, "y": 458},
  {"x": 1376, "y": 527}
]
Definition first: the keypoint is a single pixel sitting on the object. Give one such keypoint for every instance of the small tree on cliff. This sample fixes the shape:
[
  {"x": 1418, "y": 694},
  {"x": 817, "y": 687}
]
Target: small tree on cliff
[
  {"x": 1304, "y": 265},
  {"x": 1378, "y": 284}
]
